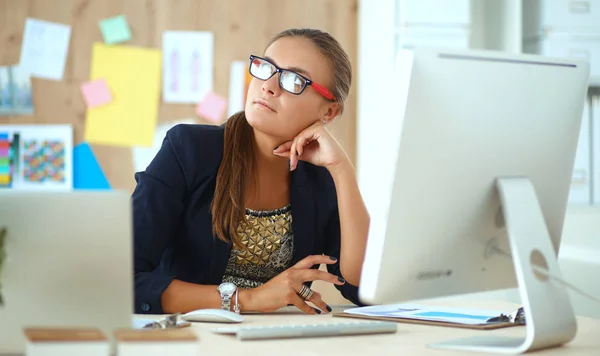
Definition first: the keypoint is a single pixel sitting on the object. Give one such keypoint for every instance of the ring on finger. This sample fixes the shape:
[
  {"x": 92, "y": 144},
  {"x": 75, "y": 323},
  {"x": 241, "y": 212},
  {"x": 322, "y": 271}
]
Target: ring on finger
[{"x": 305, "y": 292}]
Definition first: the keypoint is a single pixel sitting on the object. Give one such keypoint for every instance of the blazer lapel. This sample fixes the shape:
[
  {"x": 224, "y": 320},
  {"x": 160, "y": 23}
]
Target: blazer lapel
[{"x": 303, "y": 214}]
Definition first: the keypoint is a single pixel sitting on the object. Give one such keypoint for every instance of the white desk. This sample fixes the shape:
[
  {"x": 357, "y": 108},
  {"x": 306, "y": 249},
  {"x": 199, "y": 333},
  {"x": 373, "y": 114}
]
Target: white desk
[{"x": 409, "y": 339}]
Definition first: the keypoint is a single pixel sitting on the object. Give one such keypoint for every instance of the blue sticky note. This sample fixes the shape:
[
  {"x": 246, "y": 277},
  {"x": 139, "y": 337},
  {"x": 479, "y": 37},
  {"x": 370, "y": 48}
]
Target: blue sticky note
[
  {"x": 87, "y": 173},
  {"x": 115, "y": 30}
]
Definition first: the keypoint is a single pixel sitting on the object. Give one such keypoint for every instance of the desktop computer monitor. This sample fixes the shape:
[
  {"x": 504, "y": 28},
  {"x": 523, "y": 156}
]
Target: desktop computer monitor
[
  {"x": 482, "y": 159},
  {"x": 68, "y": 262}
]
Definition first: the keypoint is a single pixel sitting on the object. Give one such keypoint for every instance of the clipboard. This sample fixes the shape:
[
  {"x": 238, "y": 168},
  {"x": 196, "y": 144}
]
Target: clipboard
[{"x": 516, "y": 318}]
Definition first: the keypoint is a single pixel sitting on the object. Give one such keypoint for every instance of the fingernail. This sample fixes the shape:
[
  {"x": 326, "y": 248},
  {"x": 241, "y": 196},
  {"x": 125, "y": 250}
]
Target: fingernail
[
  {"x": 332, "y": 258},
  {"x": 328, "y": 308},
  {"x": 341, "y": 280},
  {"x": 317, "y": 310},
  {"x": 290, "y": 165}
]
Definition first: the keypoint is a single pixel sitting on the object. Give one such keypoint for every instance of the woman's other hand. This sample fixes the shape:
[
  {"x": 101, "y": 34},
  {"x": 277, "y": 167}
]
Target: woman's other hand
[{"x": 283, "y": 289}]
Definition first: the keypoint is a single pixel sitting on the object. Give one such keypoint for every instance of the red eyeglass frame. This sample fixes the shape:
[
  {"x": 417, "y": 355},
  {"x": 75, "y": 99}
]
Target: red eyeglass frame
[{"x": 326, "y": 93}]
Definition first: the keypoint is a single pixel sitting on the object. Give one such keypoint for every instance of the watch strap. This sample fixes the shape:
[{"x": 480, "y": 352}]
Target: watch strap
[{"x": 226, "y": 302}]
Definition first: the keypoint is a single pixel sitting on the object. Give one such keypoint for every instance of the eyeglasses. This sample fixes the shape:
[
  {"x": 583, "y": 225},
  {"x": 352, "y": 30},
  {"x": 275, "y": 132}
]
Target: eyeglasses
[
  {"x": 289, "y": 81},
  {"x": 2, "y": 258}
]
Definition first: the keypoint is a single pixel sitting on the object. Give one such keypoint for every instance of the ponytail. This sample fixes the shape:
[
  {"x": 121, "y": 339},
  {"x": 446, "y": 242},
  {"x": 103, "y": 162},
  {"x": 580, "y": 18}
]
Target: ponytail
[{"x": 235, "y": 174}]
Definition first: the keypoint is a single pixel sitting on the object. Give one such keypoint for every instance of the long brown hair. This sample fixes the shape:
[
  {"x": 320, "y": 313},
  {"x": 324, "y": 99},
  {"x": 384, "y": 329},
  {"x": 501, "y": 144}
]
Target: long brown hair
[{"x": 237, "y": 170}]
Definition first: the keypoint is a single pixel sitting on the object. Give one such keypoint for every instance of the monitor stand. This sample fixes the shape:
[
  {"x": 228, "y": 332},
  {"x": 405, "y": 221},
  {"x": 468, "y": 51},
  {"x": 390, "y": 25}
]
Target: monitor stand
[{"x": 550, "y": 320}]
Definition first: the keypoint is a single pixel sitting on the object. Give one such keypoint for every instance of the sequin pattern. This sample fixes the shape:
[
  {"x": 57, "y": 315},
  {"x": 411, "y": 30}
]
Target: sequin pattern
[{"x": 268, "y": 238}]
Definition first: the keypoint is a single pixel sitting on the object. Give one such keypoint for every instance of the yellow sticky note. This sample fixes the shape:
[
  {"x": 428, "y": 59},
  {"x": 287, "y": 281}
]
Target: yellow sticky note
[{"x": 133, "y": 75}]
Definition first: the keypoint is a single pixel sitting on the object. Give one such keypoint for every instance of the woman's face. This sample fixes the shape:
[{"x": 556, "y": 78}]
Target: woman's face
[{"x": 278, "y": 113}]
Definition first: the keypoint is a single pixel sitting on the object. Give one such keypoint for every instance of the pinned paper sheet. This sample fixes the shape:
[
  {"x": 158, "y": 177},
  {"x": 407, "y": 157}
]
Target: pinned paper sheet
[
  {"x": 237, "y": 87},
  {"x": 87, "y": 173},
  {"x": 96, "y": 93},
  {"x": 134, "y": 77},
  {"x": 142, "y": 156},
  {"x": 187, "y": 66},
  {"x": 212, "y": 107},
  {"x": 44, "y": 49},
  {"x": 15, "y": 92},
  {"x": 115, "y": 30},
  {"x": 247, "y": 79}
]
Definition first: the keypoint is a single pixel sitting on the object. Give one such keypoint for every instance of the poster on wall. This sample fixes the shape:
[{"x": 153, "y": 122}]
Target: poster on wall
[
  {"x": 237, "y": 87},
  {"x": 15, "y": 92},
  {"x": 36, "y": 157},
  {"x": 187, "y": 66},
  {"x": 247, "y": 79}
]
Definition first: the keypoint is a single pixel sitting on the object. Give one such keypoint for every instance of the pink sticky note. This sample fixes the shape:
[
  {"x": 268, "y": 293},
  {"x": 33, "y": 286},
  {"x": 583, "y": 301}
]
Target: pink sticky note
[
  {"x": 96, "y": 93},
  {"x": 212, "y": 107}
]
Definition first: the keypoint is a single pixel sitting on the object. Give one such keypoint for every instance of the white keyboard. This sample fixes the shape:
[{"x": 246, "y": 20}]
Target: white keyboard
[{"x": 308, "y": 330}]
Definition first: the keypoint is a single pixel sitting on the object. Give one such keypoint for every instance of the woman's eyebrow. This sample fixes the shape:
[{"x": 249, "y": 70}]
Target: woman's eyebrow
[{"x": 293, "y": 69}]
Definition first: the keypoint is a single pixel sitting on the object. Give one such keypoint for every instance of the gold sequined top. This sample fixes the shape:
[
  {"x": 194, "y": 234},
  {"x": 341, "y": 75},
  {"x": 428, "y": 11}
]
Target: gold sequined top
[{"x": 269, "y": 239}]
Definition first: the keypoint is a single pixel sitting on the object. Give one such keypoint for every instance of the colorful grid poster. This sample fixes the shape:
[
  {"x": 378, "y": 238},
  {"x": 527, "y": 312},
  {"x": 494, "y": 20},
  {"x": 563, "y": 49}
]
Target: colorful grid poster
[
  {"x": 5, "y": 160},
  {"x": 36, "y": 157}
]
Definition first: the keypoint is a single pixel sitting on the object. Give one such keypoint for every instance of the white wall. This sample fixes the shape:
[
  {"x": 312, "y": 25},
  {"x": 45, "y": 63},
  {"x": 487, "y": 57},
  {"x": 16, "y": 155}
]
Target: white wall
[{"x": 375, "y": 58}]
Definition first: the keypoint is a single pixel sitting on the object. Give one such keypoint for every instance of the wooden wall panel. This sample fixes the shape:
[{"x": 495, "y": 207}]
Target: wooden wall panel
[{"x": 240, "y": 27}]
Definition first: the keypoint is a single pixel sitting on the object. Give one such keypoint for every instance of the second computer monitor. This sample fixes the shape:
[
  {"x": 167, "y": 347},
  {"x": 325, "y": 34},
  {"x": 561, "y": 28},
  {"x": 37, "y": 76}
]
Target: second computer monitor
[{"x": 463, "y": 119}]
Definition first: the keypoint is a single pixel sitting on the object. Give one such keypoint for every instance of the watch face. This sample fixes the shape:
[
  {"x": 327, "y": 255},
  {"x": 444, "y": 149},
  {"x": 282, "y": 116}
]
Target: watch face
[{"x": 227, "y": 288}]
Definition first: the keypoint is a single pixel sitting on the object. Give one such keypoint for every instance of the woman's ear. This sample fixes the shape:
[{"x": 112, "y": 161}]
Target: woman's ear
[{"x": 333, "y": 110}]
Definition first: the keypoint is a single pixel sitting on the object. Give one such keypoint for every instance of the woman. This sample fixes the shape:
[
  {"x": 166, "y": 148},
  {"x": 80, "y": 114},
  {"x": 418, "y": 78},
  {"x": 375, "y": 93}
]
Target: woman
[{"x": 260, "y": 202}]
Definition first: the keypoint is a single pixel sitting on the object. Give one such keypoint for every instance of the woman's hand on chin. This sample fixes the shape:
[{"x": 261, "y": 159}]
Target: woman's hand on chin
[{"x": 314, "y": 145}]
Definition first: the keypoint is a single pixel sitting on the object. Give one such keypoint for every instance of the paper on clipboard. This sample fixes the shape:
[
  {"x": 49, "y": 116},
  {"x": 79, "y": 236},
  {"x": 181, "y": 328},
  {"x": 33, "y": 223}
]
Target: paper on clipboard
[{"x": 428, "y": 313}]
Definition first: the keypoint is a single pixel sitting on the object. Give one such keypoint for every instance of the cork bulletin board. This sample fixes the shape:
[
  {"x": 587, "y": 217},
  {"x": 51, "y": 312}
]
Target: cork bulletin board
[{"x": 239, "y": 27}]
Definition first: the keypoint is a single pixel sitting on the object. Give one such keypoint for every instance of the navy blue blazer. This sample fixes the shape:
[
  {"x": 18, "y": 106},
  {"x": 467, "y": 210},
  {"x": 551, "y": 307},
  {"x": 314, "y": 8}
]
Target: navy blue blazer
[{"x": 172, "y": 221}]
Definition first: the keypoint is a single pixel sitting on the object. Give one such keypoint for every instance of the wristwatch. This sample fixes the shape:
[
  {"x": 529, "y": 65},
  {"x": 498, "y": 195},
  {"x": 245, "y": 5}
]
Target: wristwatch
[{"x": 227, "y": 290}]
